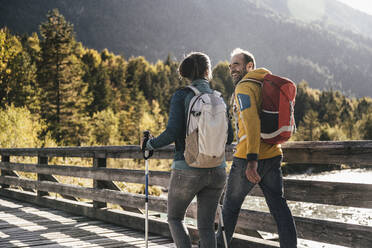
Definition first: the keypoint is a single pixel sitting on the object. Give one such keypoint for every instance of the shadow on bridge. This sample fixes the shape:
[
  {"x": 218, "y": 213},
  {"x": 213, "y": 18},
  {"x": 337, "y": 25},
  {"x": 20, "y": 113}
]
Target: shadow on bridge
[{"x": 25, "y": 225}]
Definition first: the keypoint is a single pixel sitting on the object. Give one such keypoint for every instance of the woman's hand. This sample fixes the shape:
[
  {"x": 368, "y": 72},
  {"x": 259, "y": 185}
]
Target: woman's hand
[{"x": 143, "y": 139}]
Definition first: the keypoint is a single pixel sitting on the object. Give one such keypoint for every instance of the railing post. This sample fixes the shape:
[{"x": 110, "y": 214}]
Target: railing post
[
  {"x": 98, "y": 184},
  {"x": 41, "y": 177},
  {"x": 5, "y": 172}
]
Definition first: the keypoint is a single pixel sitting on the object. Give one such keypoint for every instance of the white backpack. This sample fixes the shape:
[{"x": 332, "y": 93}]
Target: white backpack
[{"x": 206, "y": 130}]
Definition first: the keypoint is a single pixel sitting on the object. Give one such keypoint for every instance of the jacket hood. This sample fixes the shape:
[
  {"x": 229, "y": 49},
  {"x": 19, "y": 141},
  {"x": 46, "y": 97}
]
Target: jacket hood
[{"x": 199, "y": 81}]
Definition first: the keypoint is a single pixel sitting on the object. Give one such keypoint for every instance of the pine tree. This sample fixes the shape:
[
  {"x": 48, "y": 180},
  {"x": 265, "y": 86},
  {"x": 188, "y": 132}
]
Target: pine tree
[
  {"x": 174, "y": 78},
  {"x": 138, "y": 76},
  {"x": 222, "y": 80},
  {"x": 364, "y": 106},
  {"x": 22, "y": 128},
  {"x": 306, "y": 99},
  {"x": 22, "y": 79},
  {"x": 153, "y": 120},
  {"x": 60, "y": 76},
  {"x": 133, "y": 99},
  {"x": 161, "y": 86},
  {"x": 98, "y": 80},
  {"x": 101, "y": 90},
  {"x": 309, "y": 127},
  {"x": 115, "y": 66},
  {"x": 366, "y": 126},
  {"x": 17, "y": 73},
  {"x": 10, "y": 46},
  {"x": 104, "y": 128},
  {"x": 174, "y": 81},
  {"x": 329, "y": 107},
  {"x": 347, "y": 117}
]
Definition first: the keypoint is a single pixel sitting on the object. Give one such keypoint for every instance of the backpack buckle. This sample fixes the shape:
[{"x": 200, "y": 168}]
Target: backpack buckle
[{"x": 196, "y": 113}]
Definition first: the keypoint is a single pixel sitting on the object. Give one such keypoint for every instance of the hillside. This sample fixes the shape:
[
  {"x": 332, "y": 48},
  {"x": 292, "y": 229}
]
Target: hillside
[
  {"x": 329, "y": 13},
  {"x": 318, "y": 51}
]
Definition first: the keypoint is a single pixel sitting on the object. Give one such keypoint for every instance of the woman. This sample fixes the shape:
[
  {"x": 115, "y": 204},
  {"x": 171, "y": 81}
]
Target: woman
[{"x": 187, "y": 182}]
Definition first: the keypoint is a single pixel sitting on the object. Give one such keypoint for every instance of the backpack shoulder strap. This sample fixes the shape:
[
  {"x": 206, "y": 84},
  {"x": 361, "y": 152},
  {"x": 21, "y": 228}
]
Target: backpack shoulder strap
[
  {"x": 217, "y": 93},
  {"x": 250, "y": 80},
  {"x": 194, "y": 89},
  {"x": 193, "y": 100}
]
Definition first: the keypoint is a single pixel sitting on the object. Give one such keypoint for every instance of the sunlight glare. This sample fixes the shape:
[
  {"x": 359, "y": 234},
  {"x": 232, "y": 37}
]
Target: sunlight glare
[
  {"x": 361, "y": 5},
  {"x": 3, "y": 235},
  {"x": 307, "y": 11},
  {"x": 66, "y": 240},
  {"x": 19, "y": 222},
  {"x": 49, "y": 215}
]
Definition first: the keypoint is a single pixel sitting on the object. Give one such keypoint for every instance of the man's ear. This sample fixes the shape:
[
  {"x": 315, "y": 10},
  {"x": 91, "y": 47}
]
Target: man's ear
[{"x": 249, "y": 66}]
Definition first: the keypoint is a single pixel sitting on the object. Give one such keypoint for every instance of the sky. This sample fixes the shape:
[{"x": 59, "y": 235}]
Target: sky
[{"x": 362, "y": 5}]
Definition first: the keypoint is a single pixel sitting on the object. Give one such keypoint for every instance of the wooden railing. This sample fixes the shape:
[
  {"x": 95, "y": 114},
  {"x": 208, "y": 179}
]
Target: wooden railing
[{"x": 105, "y": 191}]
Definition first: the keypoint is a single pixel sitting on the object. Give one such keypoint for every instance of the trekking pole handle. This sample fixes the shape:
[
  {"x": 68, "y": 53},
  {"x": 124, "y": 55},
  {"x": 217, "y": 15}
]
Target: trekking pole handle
[{"x": 146, "y": 153}]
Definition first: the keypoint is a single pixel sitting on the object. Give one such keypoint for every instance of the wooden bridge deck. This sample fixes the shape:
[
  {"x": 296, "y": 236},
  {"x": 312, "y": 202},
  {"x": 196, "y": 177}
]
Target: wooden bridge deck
[
  {"x": 31, "y": 174},
  {"x": 25, "y": 225}
]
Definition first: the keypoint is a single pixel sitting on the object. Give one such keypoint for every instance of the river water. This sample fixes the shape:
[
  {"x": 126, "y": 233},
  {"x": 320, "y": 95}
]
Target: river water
[{"x": 359, "y": 216}]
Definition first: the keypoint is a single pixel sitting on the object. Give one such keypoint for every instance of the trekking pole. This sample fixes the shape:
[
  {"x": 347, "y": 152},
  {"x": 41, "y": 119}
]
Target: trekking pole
[
  {"x": 221, "y": 219},
  {"x": 146, "y": 154}
]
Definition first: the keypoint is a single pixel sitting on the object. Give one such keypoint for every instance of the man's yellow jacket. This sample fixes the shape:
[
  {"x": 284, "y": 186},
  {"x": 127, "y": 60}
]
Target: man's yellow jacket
[{"x": 247, "y": 108}]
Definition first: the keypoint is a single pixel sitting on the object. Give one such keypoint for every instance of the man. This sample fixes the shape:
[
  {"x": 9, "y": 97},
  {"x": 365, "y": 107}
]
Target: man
[{"x": 254, "y": 161}]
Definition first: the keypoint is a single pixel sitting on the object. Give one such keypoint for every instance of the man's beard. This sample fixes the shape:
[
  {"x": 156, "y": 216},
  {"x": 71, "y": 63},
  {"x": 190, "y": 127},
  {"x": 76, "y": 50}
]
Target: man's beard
[{"x": 241, "y": 75}]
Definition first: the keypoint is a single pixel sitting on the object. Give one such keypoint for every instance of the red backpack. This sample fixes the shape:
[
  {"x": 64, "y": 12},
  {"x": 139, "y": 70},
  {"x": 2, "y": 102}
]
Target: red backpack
[{"x": 277, "y": 109}]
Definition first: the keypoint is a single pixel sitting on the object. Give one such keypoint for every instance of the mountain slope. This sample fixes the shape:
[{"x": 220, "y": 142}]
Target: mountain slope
[
  {"x": 317, "y": 51},
  {"x": 325, "y": 12}
]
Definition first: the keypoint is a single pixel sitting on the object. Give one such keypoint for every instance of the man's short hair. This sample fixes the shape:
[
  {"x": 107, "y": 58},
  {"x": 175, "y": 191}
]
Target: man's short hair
[{"x": 248, "y": 57}]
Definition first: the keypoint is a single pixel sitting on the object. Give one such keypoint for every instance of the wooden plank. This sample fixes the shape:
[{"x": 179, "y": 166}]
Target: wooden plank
[
  {"x": 5, "y": 172},
  {"x": 40, "y": 177},
  {"x": 242, "y": 240},
  {"x": 51, "y": 178},
  {"x": 328, "y": 152},
  {"x": 113, "y": 186},
  {"x": 98, "y": 184},
  {"x": 85, "y": 223},
  {"x": 85, "y": 152},
  {"x": 334, "y": 193},
  {"x": 82, "y": 238},
  {"x": 160, "y": 178},
  {"x": 350, "y": 235},
  {"x": 101, "y": 195},
  {"x": 341, "y": 194},
  {"x": 322, "y": 192},
  {"x": 323, "y": 152},
  {"x": 9, "y": 171},
  {"x": 77, "y": 237}
]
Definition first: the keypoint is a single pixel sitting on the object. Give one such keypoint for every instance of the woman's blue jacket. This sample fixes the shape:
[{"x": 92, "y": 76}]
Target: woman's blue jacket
[{"x": 176, "y": 127}]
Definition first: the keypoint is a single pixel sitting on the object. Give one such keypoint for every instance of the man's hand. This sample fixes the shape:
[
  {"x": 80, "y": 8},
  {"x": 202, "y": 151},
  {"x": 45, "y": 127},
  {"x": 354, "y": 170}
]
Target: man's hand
[{"x": 251, "y": 172}]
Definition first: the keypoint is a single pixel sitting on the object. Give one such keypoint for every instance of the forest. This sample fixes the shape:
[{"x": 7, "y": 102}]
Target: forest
[
  {"x": 54, "y": 91},
  {"x": 332, "y": 50}
]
